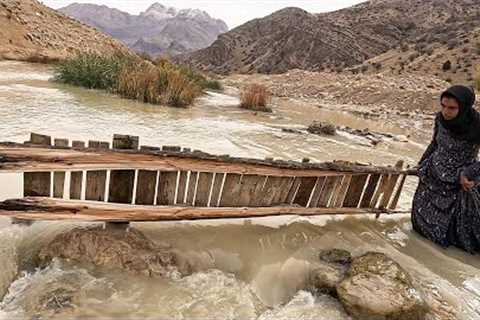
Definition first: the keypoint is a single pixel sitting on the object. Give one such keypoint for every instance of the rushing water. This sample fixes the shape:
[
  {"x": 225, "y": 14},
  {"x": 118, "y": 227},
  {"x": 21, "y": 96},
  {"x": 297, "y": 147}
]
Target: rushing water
[{"x": 244, "y": 269}]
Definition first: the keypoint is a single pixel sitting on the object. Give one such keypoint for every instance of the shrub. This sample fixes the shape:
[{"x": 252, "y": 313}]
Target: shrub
[
  {"x": 91, "y": 71},
  {"x": 131, "y": 77},
  {"x": 255, "y": 97}
]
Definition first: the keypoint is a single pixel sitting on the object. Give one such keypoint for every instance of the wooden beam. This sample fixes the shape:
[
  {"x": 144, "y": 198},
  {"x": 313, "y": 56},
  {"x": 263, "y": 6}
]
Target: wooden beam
[{"x": 48, "y": 209}]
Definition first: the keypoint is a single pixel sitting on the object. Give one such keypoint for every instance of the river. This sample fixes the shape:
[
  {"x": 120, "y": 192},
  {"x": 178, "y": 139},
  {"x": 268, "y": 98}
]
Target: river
[{"x": 245, "y": 269}]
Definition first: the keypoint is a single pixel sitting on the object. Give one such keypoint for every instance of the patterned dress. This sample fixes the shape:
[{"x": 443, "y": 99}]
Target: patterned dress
[{"x": 442, "y": 211}]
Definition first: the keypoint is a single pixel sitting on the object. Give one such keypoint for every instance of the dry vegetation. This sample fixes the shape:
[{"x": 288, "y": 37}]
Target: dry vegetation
[{"x": 255, "y": 97}]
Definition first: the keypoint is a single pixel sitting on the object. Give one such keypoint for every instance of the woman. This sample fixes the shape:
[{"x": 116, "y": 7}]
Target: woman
[{"x": 446, "y": 205}]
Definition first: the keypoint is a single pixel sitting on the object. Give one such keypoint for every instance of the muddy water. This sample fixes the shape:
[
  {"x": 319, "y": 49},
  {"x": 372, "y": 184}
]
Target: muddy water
[{"x": 243, "y": 269}]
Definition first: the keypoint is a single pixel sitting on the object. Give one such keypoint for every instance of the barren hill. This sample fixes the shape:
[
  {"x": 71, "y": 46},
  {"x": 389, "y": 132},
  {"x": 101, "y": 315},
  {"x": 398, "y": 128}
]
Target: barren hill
[
  {"x": 293, "y": 38},
  {"x": 33, "y": 32},
  {"x": 159, "y": 30}
]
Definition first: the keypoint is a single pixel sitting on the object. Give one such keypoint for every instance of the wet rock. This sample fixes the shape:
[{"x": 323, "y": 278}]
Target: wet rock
[
  {"x": 111, "y": 248},
  {"x": 377, "y": 287},
  {"x": 287, "y": 130},
  {"x": 336, "y": 256},
  {"x": 322, "y": 128},
  {"x": 330, "y": 271}
]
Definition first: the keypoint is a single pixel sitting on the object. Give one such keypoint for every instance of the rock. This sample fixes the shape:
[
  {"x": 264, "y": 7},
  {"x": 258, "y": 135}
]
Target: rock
[
  {"x": 111, "y": 248},
  {"x": 322, "y": 128},
  {"x": 376, "y": 287},
  {"x": 330, "y": 271},
  {"x": 339, "y": 256}
]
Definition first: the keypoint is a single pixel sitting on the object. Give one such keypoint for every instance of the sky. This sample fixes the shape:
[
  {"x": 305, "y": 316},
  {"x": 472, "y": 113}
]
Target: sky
[{"x": 233, "y": 12}]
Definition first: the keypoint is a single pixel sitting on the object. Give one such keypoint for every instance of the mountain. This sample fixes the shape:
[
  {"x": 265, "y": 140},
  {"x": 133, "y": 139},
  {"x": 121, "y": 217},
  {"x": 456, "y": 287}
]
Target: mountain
[
  {"x": 159, "y": 30},
  {"x": 33, "y": 32},
  {"x": 293, "y": 38}
]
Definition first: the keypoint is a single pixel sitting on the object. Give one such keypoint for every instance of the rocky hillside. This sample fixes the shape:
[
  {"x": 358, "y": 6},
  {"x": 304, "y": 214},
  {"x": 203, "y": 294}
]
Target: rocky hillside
[
  {"x": 33, "y": 32},
  {"x": 293, "y": 38},
  {"x": 158, "y": 31}
]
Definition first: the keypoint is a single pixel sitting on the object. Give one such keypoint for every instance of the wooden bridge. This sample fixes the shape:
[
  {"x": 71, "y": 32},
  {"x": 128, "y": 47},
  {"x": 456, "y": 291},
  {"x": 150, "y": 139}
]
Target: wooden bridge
[{"x": 130, "y": 183}]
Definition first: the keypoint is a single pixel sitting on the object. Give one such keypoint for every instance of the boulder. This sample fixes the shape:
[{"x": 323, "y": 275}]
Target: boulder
[
  {"x": 329, "y": 271},
  {"x": 129, "y": 250},
  {"x": 376, "y": 287},
  {"x": 322, "y": 128}
]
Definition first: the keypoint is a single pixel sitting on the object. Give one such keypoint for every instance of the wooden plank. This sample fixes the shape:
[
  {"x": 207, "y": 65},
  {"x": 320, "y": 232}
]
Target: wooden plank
[
  {"x": 269, "y": 191},
  {"x": 98, "y": 144},
  {"x": 47, "y": 209},
  {"x": 250, "y": 190},
  {"x": 231, "y": 190},
  {"x": 78, "y": 144},
  {"x": 47, "y": 159},
  {"x": 293, "y": 190},
  {"x": 336, "y": 191},
  {"x": 192, "y": 185},
  {"x": 216, "y": 191},
  {"x": 284, "y": 186},
  {"x": 40, "y": 139},
  {"x": 95, "y": 188},
  {"x": 36, "y": 184},
  {"x": 355, "y": 189},
  {"x": 382, "y": 184},
  {"x": 166, "y": 188},
  {"x": 126, "y": 142},
  {"x": 342, "y": 192},
  {"x": 370, "y": 190},
  {"x": 182, "y": 187},
  {"x": 396, "y": 198},
  {"x": 203, "y": 189},
  {"x": 58, "y": 184},
  {"x": 146, "y": 183},
  {"x": 61, "y": 143},
  {"x": 387, "y": 194},
  {"x": 304, "y": 191},
  {"x": 329, "y": 186},
  {"x": 76, "y": 178},
  {"x": 121, "y": 186},
  {"x": 317, "y": 192}
]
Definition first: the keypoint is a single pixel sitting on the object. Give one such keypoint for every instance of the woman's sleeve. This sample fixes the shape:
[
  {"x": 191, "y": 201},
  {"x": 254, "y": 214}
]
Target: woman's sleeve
[
  {"x": 472, "y": 172},
  {"x": 432, "y": 146}
]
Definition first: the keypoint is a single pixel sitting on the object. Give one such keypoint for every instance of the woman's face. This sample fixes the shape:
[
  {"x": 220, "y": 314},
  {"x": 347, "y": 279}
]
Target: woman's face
[{"x": 450, "y": 108}]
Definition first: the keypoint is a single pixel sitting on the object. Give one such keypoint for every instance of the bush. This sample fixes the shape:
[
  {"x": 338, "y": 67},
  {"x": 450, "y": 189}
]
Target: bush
[
  {"x": 161, "y": 82},
  {"x": 255, "y": 97}
]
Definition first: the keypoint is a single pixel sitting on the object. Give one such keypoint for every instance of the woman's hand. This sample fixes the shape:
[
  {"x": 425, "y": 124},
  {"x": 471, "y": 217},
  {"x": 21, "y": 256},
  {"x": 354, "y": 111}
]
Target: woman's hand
[{"x": 465, "y": 183}]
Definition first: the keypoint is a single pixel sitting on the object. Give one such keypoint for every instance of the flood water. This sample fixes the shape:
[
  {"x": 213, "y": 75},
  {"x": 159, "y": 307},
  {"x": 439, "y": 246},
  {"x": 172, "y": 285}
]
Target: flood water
[{"x": 244, "y": 269}]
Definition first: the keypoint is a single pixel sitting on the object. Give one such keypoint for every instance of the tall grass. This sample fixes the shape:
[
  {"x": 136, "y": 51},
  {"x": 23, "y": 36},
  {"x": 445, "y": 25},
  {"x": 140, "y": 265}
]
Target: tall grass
[
  {"x": 160, "y": 82},
  {"x": 255, "y": 97}
]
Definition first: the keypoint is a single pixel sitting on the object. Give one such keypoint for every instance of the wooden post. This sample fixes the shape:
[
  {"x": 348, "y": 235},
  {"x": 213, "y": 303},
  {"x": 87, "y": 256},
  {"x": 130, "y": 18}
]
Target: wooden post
[
  {"x": 40, "y": 139},
  {"x": 98, "y": 144},
  {"x": 36, "y": 184},
  {"x": 121, "y": 141}
]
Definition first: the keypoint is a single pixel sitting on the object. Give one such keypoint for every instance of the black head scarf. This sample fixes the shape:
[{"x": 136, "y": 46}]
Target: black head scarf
[{"x": 466, "y": 125}]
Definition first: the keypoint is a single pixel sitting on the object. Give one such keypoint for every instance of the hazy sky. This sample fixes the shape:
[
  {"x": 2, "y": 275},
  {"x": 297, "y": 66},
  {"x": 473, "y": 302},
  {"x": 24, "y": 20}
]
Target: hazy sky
[{"x": 233, "y": 12}]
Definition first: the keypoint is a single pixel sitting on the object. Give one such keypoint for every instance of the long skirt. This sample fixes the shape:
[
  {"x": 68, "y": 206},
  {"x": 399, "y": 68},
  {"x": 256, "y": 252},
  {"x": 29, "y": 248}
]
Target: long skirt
[{"x": 452, "y": 220}]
